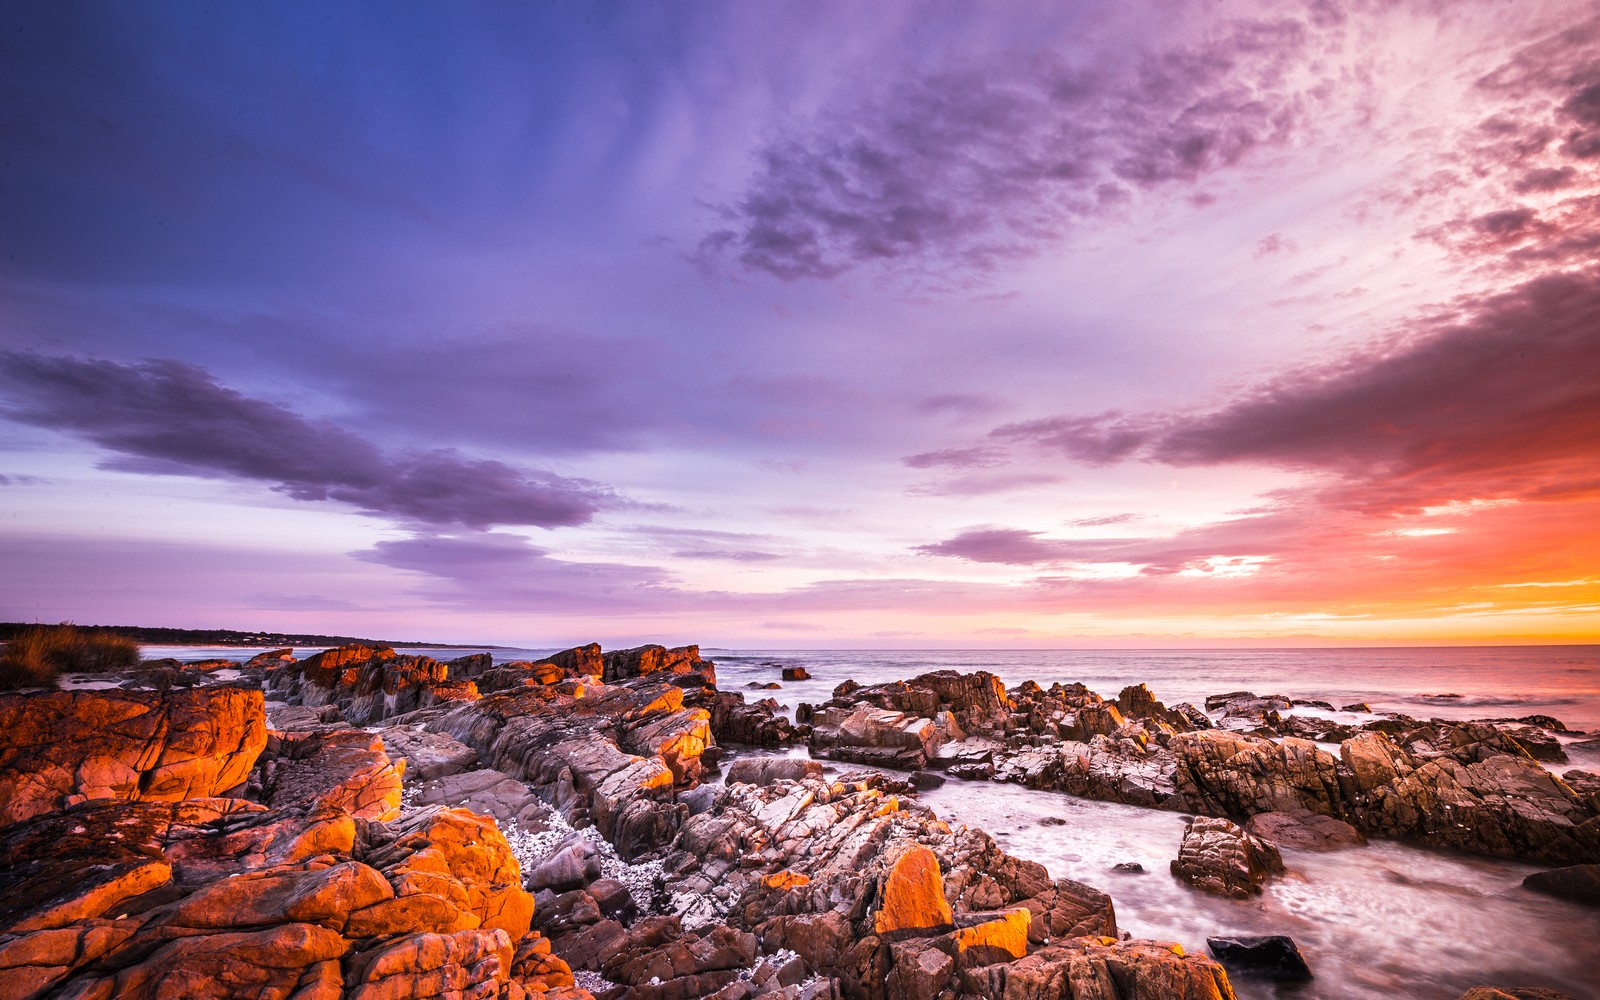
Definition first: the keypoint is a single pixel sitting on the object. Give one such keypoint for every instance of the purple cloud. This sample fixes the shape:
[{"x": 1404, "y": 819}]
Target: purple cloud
[
  {"x": 1499, "y": 399},
  {"x": 172, "y": 418},
  {"x": 500, "y": 570},
  {"x": 977, "y": 457},
  {"x": 965, "y": 168}
]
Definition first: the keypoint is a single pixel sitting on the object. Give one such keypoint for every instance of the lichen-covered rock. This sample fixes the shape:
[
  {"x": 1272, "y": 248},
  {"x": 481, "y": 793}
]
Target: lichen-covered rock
[
  {"x": 66, "y": 747},
  {"x": 912, "y": 895}
]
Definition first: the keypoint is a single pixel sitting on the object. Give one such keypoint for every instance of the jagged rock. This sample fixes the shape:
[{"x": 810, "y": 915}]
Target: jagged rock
[
  {"x": 766, "y": 770},
  {"x": 487, "y": 792},
  {"x": 1537, "y": 743},
  {"x": 1304, "y": 830},
  {"x": 1228, "y": 774},
  {"x": 368, "y": 684},
  {"x": 1273, "y": 957},
  {"x": 641, "y": 661},
  {"x": 1513, "y": 993},
  {"x": 913, "y": 895},
  {"x": 1219, "y": 857},
  {"x": 572, "y": 867},
  {"x": 342, "y": 770},
  {"x": 452, "y": 865},
  {"x": 758, "y": 724},
  {"x": 66, "y": 747},
  {"x": 1579, "y": 883},
  {"x": 1101, "y": 968},
  {"x": 427, "y": 755},
  {"x": 796, "y": 674},
  {"x": 460, "y": 964}
]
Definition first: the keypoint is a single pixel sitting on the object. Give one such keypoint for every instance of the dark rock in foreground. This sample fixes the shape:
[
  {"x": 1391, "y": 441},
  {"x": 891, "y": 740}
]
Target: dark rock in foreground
[
  {"x": 1273, "y": 957},
  {"x": 1579, "y": 883}
]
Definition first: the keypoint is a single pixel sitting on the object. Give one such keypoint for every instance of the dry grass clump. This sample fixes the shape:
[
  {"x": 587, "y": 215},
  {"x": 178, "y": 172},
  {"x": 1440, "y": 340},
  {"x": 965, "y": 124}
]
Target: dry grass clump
[{"x": 38, "y": 654}]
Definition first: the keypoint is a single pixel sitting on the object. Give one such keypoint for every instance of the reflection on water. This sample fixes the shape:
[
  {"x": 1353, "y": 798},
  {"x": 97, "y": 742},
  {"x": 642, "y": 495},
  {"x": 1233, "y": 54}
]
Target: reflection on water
[{"x": 1380, "y": 921}]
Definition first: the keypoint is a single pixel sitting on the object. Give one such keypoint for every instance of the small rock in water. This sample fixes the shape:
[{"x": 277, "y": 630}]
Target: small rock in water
[
  {"x": 1579, "y": 883},
  {"x": 924, "y": 780},
  {"x": 1359, "y": 706},
  {"x": 1512, "y": 993},
  {"x": 796, "y": 674},
  {"x": 1128, "y": 868},
  {"x": 1274, "y": 956},
  {"x": 1052, "y": 821}
]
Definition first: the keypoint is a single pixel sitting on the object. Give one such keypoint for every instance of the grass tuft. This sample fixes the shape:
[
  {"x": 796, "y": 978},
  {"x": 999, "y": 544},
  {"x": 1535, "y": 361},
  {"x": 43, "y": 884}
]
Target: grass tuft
[{"x": 36, "y": 656}]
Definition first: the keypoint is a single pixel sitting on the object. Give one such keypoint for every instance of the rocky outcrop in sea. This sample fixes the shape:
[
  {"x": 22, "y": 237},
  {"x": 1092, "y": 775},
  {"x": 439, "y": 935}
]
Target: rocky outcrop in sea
[{"x": 363, "y": 823}]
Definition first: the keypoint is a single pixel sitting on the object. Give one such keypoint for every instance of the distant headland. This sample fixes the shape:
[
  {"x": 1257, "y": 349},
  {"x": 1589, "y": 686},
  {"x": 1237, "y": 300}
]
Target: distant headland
[{"x": 232, "y": 637}]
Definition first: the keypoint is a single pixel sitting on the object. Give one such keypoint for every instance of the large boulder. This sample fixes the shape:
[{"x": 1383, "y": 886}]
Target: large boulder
[{"x": 1217, "y": 856}]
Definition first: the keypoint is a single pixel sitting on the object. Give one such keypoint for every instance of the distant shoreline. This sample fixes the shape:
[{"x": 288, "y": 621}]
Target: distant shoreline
[{"x": 155, "y": 636}]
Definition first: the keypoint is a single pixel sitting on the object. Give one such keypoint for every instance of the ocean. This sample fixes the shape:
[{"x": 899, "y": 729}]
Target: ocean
[{"x": 1378, "y": 922}]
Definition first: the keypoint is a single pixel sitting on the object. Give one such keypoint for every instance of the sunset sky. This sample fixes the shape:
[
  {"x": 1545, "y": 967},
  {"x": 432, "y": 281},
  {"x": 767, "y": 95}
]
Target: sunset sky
[{"x": 804, "y": 324}]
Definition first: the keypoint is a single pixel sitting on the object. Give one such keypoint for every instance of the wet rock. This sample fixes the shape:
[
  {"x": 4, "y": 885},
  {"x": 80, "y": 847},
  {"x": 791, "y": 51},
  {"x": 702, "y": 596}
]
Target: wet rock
[
  {"x": 1128, "y": 868},
  {"x": 1273, "y": 957},
  {"x": 796, "y": 674},
  {"x": 1217, "y": 856},
  {"x": 1512, "y": 993},
  {"x": 1536, "y": 743},
  {"x": 66, "y": 747},
  {"x": 876, "y": 736},
  {"x": 1578, "y": 883},
  {"x": 1246, "y": 704},
  {"x": 1304, "y": 830},
  {"x": 757, "y": 724},
  {"x": 1359, "y": 706}
]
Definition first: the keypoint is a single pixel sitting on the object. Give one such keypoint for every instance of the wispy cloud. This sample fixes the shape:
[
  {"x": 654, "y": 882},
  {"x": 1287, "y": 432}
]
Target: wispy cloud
[
  {"x": 170, "y": 418},
  {"x": 962, "y": 168}
]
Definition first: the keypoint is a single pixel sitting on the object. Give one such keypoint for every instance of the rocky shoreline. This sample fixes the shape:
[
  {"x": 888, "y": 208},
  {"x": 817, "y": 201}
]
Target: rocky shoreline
[{"x": 363, "y": 823}]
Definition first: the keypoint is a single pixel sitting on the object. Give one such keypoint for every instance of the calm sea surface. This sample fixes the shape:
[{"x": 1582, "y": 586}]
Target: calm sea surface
[{"x": 1382, "y": 921}]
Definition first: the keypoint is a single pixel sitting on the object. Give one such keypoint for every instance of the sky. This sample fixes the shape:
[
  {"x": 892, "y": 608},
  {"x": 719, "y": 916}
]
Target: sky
[{"x": 804, "y": 324}]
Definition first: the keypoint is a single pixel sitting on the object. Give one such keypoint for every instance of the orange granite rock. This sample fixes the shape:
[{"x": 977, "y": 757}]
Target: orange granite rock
[
  {"x": 913, "y": 895},
  {"x": 65, "y": 747},
  {"x": 459, "y": 863},
  {"x": 1006, "y": 933}
]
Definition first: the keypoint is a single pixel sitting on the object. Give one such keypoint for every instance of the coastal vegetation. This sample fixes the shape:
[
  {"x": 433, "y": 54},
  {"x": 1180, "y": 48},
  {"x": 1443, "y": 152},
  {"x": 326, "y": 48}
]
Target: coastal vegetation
[{"x": 35, "y": 655}]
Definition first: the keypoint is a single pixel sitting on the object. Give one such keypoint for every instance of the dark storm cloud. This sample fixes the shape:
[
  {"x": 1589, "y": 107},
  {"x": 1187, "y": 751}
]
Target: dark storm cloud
[
  {"x": 1500, "y": 400},
  {"x": 168, "y": 417},
  {"x": 965, "y": 168}
]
